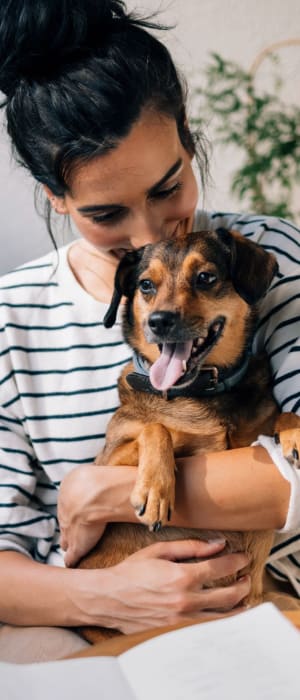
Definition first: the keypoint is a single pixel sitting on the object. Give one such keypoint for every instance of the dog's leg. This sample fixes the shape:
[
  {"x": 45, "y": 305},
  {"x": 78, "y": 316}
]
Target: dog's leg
[
  {"x": 258, "y": 544},
  {"x": 125, "y": 454},
  {"x": 149, "y": 447},
  {"x": 153, "y": 496},
  {"x": 287, "y": 432}
]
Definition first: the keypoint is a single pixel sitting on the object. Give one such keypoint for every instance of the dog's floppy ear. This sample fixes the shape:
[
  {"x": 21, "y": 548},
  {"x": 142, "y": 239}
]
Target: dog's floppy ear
[
  {"x": 124, "y": 283},
  {"x": 252, "y": 267}
]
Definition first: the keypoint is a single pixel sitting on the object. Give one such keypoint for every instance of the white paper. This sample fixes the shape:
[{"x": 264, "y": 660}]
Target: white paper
[
  {"x": 95, "y": 678},
  {"x": 254, "y": 656}
]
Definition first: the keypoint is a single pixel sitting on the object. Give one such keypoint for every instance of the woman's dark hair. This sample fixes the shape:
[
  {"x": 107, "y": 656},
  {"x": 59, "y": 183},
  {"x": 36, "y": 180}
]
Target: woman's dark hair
[{"x": 76, "y": 75}]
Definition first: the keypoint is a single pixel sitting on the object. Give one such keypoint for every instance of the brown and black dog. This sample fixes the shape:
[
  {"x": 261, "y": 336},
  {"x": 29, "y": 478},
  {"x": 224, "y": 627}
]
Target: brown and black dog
[{"x": 193, "y": 387}]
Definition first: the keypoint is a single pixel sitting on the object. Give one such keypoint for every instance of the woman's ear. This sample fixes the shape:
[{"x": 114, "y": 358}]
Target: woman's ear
[{"x": 58, "y": 204}]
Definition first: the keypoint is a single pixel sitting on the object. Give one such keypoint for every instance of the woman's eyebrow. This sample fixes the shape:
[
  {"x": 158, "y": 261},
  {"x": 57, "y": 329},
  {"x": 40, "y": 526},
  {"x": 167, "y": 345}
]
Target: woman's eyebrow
[
  {"x": 172, "y": 170},
  {"x": 93, "y": 208}
]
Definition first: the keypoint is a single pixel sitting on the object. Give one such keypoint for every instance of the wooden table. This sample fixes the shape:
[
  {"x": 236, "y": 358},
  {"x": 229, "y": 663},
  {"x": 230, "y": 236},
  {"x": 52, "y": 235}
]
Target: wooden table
[{"x": 116, "y": 645}]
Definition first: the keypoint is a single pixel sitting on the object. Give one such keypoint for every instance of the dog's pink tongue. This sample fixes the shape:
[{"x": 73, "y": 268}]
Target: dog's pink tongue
[{"x": 169, "y": 367}]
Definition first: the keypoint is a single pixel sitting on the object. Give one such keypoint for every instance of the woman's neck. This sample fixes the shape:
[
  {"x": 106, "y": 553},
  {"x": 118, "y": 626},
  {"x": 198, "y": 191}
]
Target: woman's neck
[{"x": 94, "y": 270}]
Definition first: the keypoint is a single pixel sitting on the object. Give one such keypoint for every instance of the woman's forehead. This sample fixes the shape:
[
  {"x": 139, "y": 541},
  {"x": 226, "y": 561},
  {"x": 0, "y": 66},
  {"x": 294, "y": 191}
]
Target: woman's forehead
[{"x": 139, "y": 161}]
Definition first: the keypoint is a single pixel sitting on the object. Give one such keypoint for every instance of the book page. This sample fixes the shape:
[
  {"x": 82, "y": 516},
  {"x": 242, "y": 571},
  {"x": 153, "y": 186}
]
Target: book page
[
  {"x": 97, "y": 678},
  {"x": 254, "y": 655}
]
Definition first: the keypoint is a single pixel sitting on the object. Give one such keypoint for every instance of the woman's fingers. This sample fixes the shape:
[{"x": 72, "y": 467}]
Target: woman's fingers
[
  {"x": 192, "y": 587},
  {"x": 178, "y": 550},
  {"x": 218, "y": 599},
  {"x": 81, "y": 541},
  {"x": 205, "y": 572},
  {"x": 155, "y": 586}
]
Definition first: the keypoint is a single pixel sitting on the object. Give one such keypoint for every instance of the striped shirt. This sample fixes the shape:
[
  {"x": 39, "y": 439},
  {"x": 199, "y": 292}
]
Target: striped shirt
[{"x": 58, "y": 380}]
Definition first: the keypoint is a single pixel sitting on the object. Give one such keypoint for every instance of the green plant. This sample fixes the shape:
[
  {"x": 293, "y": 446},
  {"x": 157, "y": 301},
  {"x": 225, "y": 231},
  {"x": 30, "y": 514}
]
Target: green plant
[{"x": 264, "y": 129}]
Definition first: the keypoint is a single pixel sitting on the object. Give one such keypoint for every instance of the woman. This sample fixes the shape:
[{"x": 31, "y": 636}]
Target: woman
[{"x": 96, "y": 112}]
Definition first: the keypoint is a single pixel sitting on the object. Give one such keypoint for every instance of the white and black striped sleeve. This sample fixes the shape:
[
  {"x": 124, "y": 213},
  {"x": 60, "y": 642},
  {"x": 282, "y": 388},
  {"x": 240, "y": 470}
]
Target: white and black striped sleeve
[{"x": 24, "y": 525}]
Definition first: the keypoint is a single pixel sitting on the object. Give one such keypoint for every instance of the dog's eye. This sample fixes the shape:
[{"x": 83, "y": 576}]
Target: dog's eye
[
  {"x": 205, "y": 279},
  {"x": 146, "y": 286}
]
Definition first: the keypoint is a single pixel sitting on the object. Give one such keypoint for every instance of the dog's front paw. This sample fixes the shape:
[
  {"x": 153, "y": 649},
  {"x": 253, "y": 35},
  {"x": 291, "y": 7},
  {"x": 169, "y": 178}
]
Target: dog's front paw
[
  {"x": 153, "y": 502},
  {"x": 290, "y": 444},
  {"x": 287, "y": 433}
]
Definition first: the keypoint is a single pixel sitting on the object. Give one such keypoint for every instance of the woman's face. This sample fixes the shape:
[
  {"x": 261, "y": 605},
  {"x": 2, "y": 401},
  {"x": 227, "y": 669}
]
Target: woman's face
[{"x": 138, "y": 193}]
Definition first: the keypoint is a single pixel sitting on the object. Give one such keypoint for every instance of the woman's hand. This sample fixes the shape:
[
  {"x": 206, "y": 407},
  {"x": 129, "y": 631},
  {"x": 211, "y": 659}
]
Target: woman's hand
[
  {"x": 89, "y": 497},
  {"x": 152, "y": 588}
]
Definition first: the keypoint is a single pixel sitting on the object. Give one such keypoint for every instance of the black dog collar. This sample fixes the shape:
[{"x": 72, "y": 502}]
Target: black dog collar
[{"x": 209, "y": 382}]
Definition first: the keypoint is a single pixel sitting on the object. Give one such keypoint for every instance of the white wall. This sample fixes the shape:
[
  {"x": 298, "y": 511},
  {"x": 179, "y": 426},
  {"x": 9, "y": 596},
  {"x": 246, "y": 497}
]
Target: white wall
[
  {"x": 22, "y": 233},
  {"x": 237, "y": 29}
]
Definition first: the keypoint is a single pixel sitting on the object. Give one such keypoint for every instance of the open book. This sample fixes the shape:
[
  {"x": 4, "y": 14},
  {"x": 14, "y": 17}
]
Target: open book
[{"x": 253, "y": 656}]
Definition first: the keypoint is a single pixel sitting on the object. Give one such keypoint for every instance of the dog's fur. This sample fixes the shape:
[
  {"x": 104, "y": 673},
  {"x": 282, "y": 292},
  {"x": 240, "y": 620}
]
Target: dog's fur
[{"x": 206, "y": 285}]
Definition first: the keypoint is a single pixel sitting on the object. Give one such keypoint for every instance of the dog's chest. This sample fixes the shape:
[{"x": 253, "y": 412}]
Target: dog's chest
[{"x": 194, "y": 426}]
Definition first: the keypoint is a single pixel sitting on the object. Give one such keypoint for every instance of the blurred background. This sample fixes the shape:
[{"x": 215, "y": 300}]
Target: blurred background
[{"x": 245, "y": 97}]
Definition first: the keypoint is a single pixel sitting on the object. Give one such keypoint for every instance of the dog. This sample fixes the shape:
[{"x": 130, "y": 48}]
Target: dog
[{"x": 193, "y": 385}]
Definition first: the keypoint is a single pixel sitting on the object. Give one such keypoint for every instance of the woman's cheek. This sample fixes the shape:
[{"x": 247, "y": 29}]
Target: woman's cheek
[
  {"x": 101, "y": 240},
  {"x": 92, "y": 232},
  {"x": 188, "y": 200}
]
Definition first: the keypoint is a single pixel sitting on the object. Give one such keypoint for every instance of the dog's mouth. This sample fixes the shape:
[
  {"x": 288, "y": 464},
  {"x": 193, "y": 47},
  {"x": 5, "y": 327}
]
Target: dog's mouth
[{"x": 180, "y": 362}]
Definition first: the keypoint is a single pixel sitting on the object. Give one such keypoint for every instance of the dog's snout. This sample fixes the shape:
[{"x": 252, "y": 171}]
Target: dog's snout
[{"x": 163, "y": 322}]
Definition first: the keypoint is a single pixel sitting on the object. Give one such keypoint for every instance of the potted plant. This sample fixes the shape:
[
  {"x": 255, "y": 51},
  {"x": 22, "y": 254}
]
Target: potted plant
[{"x": 261, "y": 125}]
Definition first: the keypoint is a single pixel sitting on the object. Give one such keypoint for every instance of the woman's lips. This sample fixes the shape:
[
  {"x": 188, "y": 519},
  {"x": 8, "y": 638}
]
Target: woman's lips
[{"x": 119, "y": 254}]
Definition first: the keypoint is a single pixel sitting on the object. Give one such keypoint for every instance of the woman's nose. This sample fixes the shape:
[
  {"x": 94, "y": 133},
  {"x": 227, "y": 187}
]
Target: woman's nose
[
  {"x": 140, "y": 241},
  {"x": 141, "y": 238},
  {"x": 145, "y": 231}
]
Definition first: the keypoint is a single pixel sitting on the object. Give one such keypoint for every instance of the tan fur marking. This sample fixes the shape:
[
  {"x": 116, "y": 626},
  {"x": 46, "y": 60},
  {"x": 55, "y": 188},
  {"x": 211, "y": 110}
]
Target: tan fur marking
[{"x": 195, "y": 262}]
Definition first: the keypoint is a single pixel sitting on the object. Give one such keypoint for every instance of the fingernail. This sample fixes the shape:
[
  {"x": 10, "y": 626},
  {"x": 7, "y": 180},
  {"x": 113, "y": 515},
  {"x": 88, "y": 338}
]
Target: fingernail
[{"x": 217, "y": 540}]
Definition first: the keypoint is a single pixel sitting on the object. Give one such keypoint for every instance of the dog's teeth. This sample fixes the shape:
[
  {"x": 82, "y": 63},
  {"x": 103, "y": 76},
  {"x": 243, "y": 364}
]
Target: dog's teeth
[
  {"x": 216, "y": 327},
  {"x": 184, "y": 366},
  {"x": 200, "y": 342}
]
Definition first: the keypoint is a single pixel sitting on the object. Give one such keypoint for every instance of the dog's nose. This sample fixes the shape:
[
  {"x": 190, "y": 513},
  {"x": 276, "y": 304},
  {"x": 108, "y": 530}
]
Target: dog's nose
[{"x": 163, "y": 322}]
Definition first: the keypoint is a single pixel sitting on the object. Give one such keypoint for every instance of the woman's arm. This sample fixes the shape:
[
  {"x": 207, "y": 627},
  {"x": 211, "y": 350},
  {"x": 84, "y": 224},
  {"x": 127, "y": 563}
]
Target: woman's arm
[
  {"x": 239, "y": 489},
  {"x": 146, "y": 590}
]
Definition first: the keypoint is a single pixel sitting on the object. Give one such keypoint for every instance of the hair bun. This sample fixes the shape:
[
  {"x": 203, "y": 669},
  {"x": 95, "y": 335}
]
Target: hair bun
[{"x": 38, "y": 36}]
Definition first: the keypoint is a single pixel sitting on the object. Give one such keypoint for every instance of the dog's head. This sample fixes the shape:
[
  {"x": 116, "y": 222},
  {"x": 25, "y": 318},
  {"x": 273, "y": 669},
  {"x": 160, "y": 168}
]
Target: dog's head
[{"x": 191, "y": 300}]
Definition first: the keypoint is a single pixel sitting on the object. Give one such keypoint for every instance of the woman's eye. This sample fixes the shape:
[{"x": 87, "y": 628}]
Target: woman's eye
[
  {"x": 108, "y": 217},
  {"x": 205, "y": 279},
  {"x": 163, "y": 194},
  {"x": 146, "y": 286}
]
